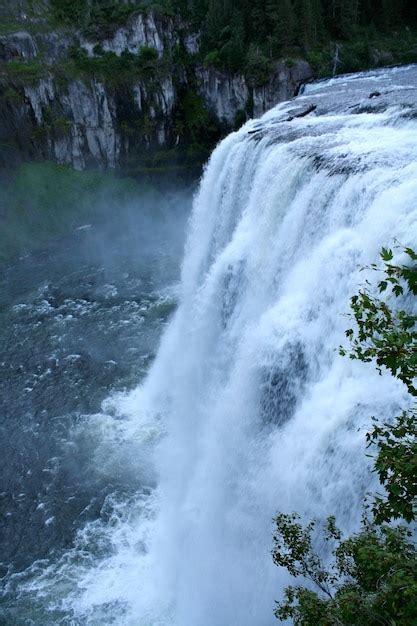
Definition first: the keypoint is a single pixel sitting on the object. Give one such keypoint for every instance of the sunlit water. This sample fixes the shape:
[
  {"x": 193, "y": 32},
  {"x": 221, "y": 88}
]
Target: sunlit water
[{"x": 248, "y": 408}]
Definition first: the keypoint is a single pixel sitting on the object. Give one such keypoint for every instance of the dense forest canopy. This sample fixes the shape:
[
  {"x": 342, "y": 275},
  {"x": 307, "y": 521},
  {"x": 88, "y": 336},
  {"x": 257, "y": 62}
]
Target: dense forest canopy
[
  {"x": 247, "y": 35},
  {"x": 280, "y": 24},
  {"x": 274, "y": 28},
  {"x": 201, "y": 42}
]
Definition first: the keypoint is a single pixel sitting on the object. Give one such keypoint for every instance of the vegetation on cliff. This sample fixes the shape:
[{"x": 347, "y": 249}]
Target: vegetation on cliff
[
  {"x": 371, "y": 578},
  {"x": 165, "y": 117},
  {"x": 232, "y": 35},
  {"x": 248, "y": 36}
]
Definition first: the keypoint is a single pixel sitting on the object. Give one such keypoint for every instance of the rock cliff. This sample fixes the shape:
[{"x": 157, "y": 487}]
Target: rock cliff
[{"x": 136, "y": 99}]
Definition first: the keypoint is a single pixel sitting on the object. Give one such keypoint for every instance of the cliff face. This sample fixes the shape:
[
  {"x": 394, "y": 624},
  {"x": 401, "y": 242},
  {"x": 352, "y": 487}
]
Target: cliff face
[
  {"x": 136, "y": 99},
  {"x": 226, "y": 95}
]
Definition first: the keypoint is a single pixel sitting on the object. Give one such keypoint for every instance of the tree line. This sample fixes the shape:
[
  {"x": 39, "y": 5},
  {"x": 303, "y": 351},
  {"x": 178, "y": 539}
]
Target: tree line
[
  {"x": 235, "y": 32},
  {"x": 249, "y": 35}
]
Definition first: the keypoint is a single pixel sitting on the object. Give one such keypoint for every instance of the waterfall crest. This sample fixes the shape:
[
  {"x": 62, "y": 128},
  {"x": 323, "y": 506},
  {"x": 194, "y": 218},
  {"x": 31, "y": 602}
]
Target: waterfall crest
[
  {"x": 261, "y": 413},
  {"x": 256, "y": 410}
]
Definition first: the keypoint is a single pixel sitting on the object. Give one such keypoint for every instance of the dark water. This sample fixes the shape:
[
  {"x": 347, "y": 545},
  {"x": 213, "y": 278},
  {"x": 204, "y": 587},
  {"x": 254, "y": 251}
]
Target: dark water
[{"x": 79, "y": 321}]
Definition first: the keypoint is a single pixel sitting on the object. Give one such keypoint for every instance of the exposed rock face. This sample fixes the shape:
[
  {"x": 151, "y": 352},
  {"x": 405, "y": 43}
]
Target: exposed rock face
[
  {"x": 140, "y": 30},
  {"x": 81, "y": 124},
  {"x": 226, "y": 95},
  {"x": 17, "y": 46},
  {"x": 283, "y": 85},
  {"x": 92, "y": 128},
  {"x": 83, "y": 121}
]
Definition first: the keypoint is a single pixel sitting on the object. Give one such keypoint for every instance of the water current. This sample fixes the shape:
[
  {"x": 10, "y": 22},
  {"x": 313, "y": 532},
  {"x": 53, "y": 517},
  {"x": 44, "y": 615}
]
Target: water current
[{"x": 247, "y": 409}]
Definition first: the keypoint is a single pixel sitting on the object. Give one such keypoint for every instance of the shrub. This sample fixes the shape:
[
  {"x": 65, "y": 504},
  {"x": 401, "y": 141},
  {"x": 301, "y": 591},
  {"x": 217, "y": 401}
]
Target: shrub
[
  {"x": 372, "y": 578},
  {"x": 258, "y": 68}
]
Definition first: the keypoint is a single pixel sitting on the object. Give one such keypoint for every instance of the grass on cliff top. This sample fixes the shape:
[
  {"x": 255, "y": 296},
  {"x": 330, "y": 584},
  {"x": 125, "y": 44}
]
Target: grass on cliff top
[
  {"x": 114, "y": 69},
  {"x": 99, "y": 21},
  {"x": 23, "y": 71},
  {"x": 44, "y": 201},
  {"x": 11, "y": 25}
]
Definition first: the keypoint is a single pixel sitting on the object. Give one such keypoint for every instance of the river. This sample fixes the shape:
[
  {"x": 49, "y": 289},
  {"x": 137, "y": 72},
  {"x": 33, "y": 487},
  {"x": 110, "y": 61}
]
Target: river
[{"x": 247, "y": 409}]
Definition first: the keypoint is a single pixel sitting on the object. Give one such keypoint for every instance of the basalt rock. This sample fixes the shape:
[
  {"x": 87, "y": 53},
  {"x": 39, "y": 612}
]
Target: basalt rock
[{"x": 82, "y": 119}]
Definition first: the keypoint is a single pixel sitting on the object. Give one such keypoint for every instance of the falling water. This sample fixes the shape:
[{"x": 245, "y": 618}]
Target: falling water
[{"x": 248, "y": 408}]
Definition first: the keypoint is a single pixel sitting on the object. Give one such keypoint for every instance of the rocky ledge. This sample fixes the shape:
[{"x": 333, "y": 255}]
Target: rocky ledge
[{"x": 137, "y": 99}]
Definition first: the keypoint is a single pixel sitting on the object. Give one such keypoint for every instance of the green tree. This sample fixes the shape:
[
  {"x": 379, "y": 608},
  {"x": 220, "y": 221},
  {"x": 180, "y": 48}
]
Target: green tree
[
  {"x": 384, "y": 334},
  {"x": 284, "y": 23},
  {"x": 370, "y": 581},
  {"x": 309, "y": 23},
  {"x": 342, "y": 16},
  {"x": 390, "y": 13},
  {"x": 372, "y": 578},
  {"x": 260, "y": 20},
  {"x": 258, "y": 66},
  {"x": 349, "y": 16},
  {"x": 217, "y": 19},
  {"x": 69, "y": 12}
]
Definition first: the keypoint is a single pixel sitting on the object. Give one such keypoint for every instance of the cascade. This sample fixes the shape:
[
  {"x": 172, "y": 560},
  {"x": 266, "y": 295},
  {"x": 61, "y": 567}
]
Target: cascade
[
  {"x": 260, "y": 412},
  {"x": 249, "y": 407}
]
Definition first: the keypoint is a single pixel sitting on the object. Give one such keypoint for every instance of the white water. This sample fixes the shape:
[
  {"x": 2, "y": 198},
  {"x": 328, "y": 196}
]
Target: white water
[{"x": 256, "y": 411}]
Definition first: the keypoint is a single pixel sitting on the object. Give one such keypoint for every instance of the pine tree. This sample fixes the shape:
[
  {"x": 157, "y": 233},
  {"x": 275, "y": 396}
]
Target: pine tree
[
  {"x": 260, "y": 20},
  {"x": 391, "y": 13},
  {"x": 283, "y": 21},
  {"x": 349, "y": 12},
  {"x": 309, "y": 23},
  {"x": 217, "y": 19}
]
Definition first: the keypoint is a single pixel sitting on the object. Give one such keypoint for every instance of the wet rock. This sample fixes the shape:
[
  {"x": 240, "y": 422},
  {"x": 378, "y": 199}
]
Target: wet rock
[{"x": 304, "y": 113}]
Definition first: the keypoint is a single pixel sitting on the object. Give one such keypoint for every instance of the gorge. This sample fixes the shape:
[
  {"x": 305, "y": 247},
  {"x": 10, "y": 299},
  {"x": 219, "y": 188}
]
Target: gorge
[
  {"x": 147, "y": 87},
  {"x": 95, "y": 102},
  {"x": 247, "y": 407}
]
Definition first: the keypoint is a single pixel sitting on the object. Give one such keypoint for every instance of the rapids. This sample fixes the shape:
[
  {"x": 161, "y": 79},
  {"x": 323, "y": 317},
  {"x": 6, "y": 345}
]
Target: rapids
[{"x": 248, "y": 409}]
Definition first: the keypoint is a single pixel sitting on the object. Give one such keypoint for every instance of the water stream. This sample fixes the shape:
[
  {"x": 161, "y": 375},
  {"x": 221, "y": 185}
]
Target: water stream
[{"x": 248, "y": 409}]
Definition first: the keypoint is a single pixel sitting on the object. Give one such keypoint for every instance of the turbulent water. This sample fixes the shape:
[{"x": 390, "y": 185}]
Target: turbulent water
[
  {"x": 248, "y": 409},
  {"x": 79, "y": 322}
]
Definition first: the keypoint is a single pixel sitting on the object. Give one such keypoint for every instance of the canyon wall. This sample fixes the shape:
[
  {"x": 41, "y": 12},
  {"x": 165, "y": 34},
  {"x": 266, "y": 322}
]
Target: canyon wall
[{"x": 137, "y": 99}]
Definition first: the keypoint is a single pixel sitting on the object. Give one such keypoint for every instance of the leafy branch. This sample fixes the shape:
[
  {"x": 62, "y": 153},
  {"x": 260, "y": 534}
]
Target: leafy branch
[
  {"x": 372, "y": 577},
  {"x": 384, "y": 335}
]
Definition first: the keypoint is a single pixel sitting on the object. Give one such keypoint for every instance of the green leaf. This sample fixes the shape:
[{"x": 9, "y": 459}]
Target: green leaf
[
  {"x": 411, "y": 253},
  {"x": 386, "y": 254}
]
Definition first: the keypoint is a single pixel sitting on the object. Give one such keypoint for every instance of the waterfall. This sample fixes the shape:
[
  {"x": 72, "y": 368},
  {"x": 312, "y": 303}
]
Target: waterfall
[{"x": 256, "y": 412}]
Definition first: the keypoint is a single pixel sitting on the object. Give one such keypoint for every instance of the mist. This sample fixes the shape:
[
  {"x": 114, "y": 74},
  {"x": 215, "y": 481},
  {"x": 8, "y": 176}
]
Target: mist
[{"x": 88, "y": 281}]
